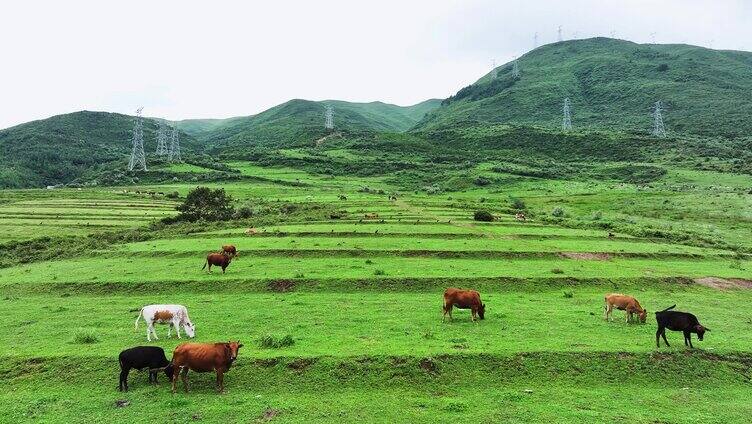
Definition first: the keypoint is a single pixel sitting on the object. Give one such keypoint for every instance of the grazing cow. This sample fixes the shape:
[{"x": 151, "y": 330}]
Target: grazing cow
[
  {"x": 611, "y": 235},
  {"x": 626, "y": 303},
  {"x": 251, "y": 231},
  {"x": 520, "y": 216},
  {"x": 172, "y": 315},
  {"x": 151, "y": 358},
  {"x": 463, "y": 299},
  {"x": 342, "y": 197},
  {"x": 219, "y": 259},
  {"x": 678, "y": 321},
  {"x": 371, "y": 216},
  {"x": 230, "y": 250},
  {"x": 204, "y": 357}
]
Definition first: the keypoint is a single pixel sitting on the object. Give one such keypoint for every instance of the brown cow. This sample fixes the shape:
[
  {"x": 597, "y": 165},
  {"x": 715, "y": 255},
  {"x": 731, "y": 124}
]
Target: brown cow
[
  {"x": 463, "y": 299},
  {"x": 230, "y": 250},
  {"x": 520, "y": 216},
  {"x": 626, "y": 303},
  {"x": 203, "y": 357},
  {"x": 218, "y": 259}
]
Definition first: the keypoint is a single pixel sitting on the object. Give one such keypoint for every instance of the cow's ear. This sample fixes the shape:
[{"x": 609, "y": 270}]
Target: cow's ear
[
  {"x": 706, "y": 328},
  {"x": 240, "y": 345}
]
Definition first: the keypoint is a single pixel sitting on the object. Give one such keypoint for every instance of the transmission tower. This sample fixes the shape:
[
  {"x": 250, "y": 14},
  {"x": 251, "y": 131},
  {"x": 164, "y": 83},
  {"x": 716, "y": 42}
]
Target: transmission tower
[
  {"x": 560, "y": 38},
  {"x": 658, "y": 129},
  {"x": 566, "y": 123},
  {"x": 515, "y": 68},
  {"x": 138, "y": 158},
  {"x": 162, "y": 139},
  {"x": 329, "y": 118},
  {"x": 174, "y": 154},
  {"x": 652, "y": 37},
  {"x": 494, "y": 72},
  {"x": 535, "y": 40}
]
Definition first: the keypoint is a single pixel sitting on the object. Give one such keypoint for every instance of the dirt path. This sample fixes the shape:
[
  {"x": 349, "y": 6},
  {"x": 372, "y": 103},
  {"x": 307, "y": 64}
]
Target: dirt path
[{"x": 321, "y": 141}]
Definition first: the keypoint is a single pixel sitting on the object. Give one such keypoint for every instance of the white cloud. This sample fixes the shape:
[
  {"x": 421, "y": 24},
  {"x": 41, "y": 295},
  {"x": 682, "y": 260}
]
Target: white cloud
[{"x": 184, "y": 59}]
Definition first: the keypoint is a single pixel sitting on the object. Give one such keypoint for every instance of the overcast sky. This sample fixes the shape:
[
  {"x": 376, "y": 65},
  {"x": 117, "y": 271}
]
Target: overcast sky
[{"x": 203, "y": 59}]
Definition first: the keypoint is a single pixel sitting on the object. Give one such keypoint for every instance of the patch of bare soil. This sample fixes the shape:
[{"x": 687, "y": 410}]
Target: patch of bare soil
[
  {"x": 724, "y": 283},
  {"x": 586, "y": 256},
  {"x": 301, "y": 364},
  {"x": 281, "y": 285},
  {"x": 429, "y": 366},
  {"x": 267, "y": 415}
]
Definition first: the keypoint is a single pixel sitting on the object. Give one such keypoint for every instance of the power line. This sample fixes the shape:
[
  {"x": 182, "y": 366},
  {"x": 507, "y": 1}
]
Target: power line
[
  {"x": 566, "y": 122},
  {"x": 138, "y": 158},
  {"x": 659, "y": 130},
  {"x": 174, "y": 154}
]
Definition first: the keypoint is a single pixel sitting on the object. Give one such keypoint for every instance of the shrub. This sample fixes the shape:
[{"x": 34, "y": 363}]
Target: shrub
[
  {"x": 557, "y": 271},
  {"x": 568, "y": 294},
  {"x": 558, "y": 212},
  {"x": 596, "y": 216},
  {"x": 173, "y": 195},
  {"x": 481, "y": 181},
  {"x": 483, "y": 215},
  {"x": 379, "y": 272},
  {"x": 243, "y": 212},
  {"x": 517, "y": 203},
  {"x": 207, "y": 204},
  {"x": 85, "y": 336},
  {"x": 272, "y": 342},
  {"x": 663, "y": 67}
]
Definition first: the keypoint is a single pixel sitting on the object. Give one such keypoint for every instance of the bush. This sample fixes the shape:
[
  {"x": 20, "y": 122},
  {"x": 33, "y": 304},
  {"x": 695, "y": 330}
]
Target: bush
[
  {"x": 379, "y": 272},
  {"x": 243, "y": 212},
  {"x": 483, "y": 215},
  {"x": 85, "y": 336},
  {"x": 516, "y": 203},
  {"x": 557, "y": 271},
  {"x": 481, "y": 181},
  {"x": 173, "y": 195},
  {"x": 568, "y": 294},
  {"x": 663, "y": 67},
  {"x": 558, "y": 212},
  {"x": 272, "y": 342},
  {"x": 596, "y": 216},
  {"x": 207, "y": 204}
]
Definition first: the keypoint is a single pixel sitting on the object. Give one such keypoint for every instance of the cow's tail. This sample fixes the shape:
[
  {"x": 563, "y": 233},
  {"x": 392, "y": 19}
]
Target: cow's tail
[
  {"x": 140, "y": 312},
  {"x": 205, "y": 263},
  {"x": 667, "y": 309}
]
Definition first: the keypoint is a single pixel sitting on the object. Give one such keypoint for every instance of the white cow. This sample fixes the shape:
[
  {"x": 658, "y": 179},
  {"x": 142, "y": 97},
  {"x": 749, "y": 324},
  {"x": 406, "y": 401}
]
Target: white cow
[{"x": 172, "y": 315}]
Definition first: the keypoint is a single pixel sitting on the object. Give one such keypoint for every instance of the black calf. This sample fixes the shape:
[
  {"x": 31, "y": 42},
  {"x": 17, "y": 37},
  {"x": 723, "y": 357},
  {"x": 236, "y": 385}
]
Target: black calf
[
  {"x": 678, "y": 321},
  {"x": 143, "y": 357}
]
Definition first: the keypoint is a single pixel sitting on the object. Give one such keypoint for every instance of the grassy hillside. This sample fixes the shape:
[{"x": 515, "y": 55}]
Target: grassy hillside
[
  {"x": 302, "y": 122},
  {"x": 612, "y": 84},
  {"x": 61, "y": 148}
]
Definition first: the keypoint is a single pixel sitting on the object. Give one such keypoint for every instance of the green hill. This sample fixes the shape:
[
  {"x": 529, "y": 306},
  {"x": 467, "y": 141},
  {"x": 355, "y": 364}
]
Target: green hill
[
  {"x": 61, "y": 148},
  {"x": 612, "y": 84},
  {"x": 299, "y": 122}
]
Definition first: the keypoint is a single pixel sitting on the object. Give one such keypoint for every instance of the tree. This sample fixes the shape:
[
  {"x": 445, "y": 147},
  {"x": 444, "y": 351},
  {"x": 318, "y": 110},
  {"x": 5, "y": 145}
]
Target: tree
[{"x": 207, "y": 204}]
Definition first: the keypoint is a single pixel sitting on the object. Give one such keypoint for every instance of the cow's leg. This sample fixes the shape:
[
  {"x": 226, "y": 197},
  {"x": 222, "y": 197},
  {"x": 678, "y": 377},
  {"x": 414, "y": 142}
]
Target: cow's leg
[
  {"x": 443, "y": 315},
  {"x": 184, "y": 377},
  {"x": 124, "y": 379},
  {"x": 220, "y": 381},
  {"x": 629, "y": 317},
  {"x": 153, "y": 331},
  {"x": 176, "y": 324},
  {"x": 169, "y": 329},
  {"x": 607, "y": 311},
  {"x": 149, "y": 328},
  {"x": 658, "y": 337},
  {"x": 210, "y": 265},
  {"x": 688, "y": 339},
  {"x": 663, "y": 333},
  {"x": 473, "y": 312},
  {"x": 175, "y": 378}
]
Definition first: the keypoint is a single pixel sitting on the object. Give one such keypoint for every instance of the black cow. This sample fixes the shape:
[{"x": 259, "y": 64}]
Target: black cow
[
  {"x": 678, "y": 321},
  {"x": 143, "y": 357}
]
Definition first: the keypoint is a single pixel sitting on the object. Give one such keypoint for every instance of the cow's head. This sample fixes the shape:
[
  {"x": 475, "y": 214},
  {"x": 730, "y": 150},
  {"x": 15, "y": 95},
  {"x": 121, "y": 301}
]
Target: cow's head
[
  {"x": 643, "y": 315},
  {"x": 169, "y": 370},
  {"x": 231, "y": 349},
  {"x": 700, "y": 330},
  {"x": 482, "y": 311},
  {"x": 190, "y": 329}
]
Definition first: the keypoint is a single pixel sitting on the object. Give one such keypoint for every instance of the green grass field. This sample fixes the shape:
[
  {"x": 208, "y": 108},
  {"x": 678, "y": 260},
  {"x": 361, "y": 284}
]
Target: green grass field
[{"x": 361, "y": 298}]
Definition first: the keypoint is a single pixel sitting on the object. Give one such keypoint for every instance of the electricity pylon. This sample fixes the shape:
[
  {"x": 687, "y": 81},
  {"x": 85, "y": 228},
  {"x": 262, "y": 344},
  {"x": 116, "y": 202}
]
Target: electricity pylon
[{"x": 138, "y": 158}]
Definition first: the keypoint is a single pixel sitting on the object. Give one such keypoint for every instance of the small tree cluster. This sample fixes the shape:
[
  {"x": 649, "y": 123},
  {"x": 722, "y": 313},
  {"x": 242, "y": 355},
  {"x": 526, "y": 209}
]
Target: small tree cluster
[
  {"x": 206, "y": 204},
  {"x": 484, "y": 216}
]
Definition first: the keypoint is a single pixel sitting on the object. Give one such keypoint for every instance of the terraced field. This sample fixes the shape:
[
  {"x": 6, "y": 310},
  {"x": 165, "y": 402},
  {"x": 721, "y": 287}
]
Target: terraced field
[{"x": 361, "y": 298}]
